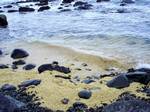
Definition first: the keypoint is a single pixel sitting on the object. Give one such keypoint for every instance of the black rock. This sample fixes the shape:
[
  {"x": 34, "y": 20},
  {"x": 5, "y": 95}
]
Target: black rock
[
  {"x": 19, "y": 62},
  {"x": 8, "y": 87},
  {"x": 44, "y": 2},
  {"x": 1, "y": 11},
  {"x": 78, "y": 107},
  {"x": 27, "y": 83},
  {"x": 55, "y": 62},
  {"x": 2, "y": 66},
  {"x": 9, "y": 104},
  {"x": 88, "y": 81},
  {"x": 85, "y": 94},
  {"x": 43, "y": 8},
  {"x": 29, "y": 67},
  {"x": 79, "y": 3},
  {"x": 12, "y": 10},
  {"x": 3, "y": 20},
  {"x": 84, "y": 7},
  {"x": 45, "y": 67},
  {"x": 14, "y": 66},
  {"x": 8, "y": 6},
  {"x": 122, "y": 11},
  {"x": 102, "y": 0},
  {"x": 65, "y": 10},
  {"x": 127, "y": 1},
  {"x": 19, "y": 53},
  {"x": 123, "y": 4},
  {"x": 141, "y": 77},
  {"x": 118, "y": 82},
  {"x": 1, "y": 52},
  {"x": 26, "y": 9},
  {"x": 67, "y": 1}
]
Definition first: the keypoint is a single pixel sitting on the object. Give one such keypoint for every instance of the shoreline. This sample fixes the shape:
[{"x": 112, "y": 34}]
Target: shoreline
[{"x": 53, "y": 89}]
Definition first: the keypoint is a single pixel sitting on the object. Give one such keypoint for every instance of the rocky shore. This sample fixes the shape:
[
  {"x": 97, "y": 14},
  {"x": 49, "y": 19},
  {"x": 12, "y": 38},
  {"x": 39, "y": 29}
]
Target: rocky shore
[{"x": 72, "y": 84}]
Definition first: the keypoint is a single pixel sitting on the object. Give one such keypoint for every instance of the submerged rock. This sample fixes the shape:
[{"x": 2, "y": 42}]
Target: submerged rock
[
  {"x": 118, "y": 82},
  {"x": 1, "y": 11},
  {"x": 3, "y": 20},
  {"x": 102, "y": 0},
  {"x": 26, "y": 9},
  {"x": 85, "y": 94},
  {"x": 12, "y": 10},
  {"x": 127, "y": 1},
  {"x": 82, "y": 5},
  {"x": 1, "y": 52},
  {"x": 43, "y": 8},
  {"x": 19, "y": 53},
  {"x": 27, "y": 83},
  {"x": 8, "y": 6},
  {"x": 2, "y": 66},
  {"x": 29, "y": 67}
]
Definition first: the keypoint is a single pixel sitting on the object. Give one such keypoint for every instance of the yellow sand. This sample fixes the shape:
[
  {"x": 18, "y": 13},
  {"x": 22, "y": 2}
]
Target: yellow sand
[{"x": 52, "y": 89}]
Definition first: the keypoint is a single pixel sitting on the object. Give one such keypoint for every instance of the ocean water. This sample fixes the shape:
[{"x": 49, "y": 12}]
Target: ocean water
[{"x": 99, "y": 31}]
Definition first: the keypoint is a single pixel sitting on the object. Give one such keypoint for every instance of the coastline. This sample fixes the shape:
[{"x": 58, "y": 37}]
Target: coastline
[{"x": 53, "y": 89}]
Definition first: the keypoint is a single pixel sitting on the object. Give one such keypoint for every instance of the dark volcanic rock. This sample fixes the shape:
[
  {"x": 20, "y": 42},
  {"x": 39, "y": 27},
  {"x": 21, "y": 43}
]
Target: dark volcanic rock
[
  {"x": 8, "y": 87},
  {"x": 8, "y": 6},
  {"x": 85, "y": 94},
  {"x": 9, "y": 104},
  {"x": 43, "y": 8},
  {"x": 120, "y": 81},
  {"x": 26, "y": 9},
  {"x": 102, "y": 0},
  {"x": 29, "y": 66},
  {"x": 2, "y": 66},
  {"x": 19, "y": 53},
  {"x": 3, "y": 20},
  {"x": 78, "y": 107},
  {"x": 27, "y": 83},
  {"x": 127, "y": 1},
  {"x": 19, "y": 62},
  {"x": 12, "y": 10},
  {"x": 51, "y": 67},
  {"x": 141, "y": 77}
]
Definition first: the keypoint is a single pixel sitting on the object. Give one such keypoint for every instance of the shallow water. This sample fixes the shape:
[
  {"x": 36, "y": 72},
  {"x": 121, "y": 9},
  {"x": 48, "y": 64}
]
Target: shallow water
[{"x": 100, "y": 31}]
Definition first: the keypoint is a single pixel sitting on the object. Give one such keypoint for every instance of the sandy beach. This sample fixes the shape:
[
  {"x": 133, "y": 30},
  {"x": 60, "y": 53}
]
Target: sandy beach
[{"x": 52, "y": 89}]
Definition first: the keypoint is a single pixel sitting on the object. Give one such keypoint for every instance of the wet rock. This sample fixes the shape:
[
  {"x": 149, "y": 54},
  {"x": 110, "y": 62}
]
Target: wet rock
[
  {"x": 78, "y": 107},
  {"x": 1, "y": 52},
  {"x": 67, "y": 1},
  {"x": 8, "y": 6},
  {"x": 27, "y": 83},
  {"x": 19, "y": 62},
  {"x": 19, "y": 53},
  {"x": 43, "y": 8},
  {"x": 8, "y": 87},
  {"x": 147, "y": 70},
  {"x": 14, "y": 66},
  {"x": 44, "y": 2},
  {"x": 45, "y": 67},
  {"x": 122, "y": 11},
  {"x": 3, "y": 20},
  {"x": 65, "y": 101},
  {"x": 82, "y": 5},
  {"x": 9, "y": 104},
  {"x": 63, "y": 77},
  {"x": 79, "y": 3},
  {"x": 102, "y": 0},
  {"x": 123, "y": 4},
  {"x": 2, "y": 66},
  {"x": 29, "y": 66},
  {"x": 52, "y": 67},
  {"x": 26, "y": 9},
  {"x": 12, "y": 10},
  {"x": 141, "y": 77},
  {"x": 85, "y": 94},
  {"x": 127, "y": 1},
  {"x": 119, "y": 82},
  {"x": 65, "y": 10},
  {"x": 55, "y": 63},
  {"x": 128, "y": 106},
  {"x": 1, "y": 11}
]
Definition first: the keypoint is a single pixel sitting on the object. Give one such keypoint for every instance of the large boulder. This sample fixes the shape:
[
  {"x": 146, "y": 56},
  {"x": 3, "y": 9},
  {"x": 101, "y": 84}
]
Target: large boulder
[
  {"x": 19, "y": 53},
  {"x": 3, "y": 20},
  {"x": 33, "y": 82},
  {"x": 26, "y": 9},
  {"x": 9, "y": 104},
  {"x": 43, "y": 8},
  {"x": 120, "y": 81}
]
